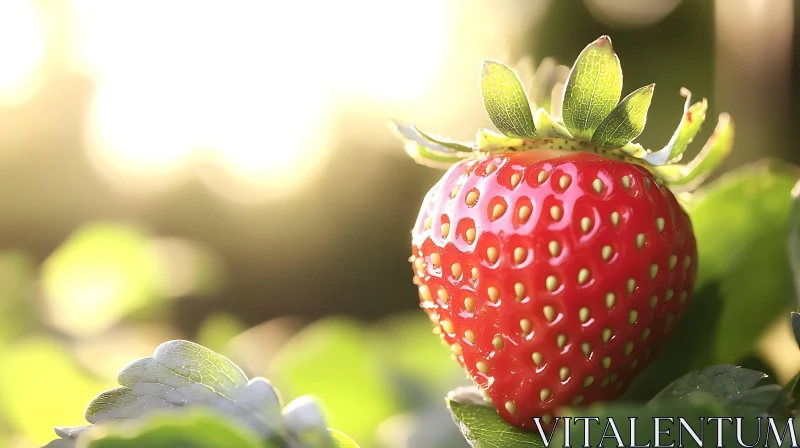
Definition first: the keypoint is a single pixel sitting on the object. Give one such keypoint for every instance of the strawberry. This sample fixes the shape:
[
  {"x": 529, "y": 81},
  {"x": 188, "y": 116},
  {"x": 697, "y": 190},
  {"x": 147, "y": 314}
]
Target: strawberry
[{"x": 555, "y": 259}]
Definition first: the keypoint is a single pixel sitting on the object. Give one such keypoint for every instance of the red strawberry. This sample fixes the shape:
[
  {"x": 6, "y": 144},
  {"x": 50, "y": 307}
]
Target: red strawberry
[{"x": 555, "y": 261}]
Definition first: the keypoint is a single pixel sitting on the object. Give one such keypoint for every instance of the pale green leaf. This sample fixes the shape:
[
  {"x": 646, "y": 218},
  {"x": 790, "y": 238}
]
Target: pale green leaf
[
  {"x": 182, "y": 375},
  {"x": 593, "y": 88},
  {"x": 505, "y": 101},
  {"x": 626, "y": 121},
  {"x": 547, "y": 127}
]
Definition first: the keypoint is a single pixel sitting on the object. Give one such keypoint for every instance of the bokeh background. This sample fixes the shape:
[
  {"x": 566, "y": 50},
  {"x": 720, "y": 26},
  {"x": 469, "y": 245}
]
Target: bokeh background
[{"x": 222, "y": 172}]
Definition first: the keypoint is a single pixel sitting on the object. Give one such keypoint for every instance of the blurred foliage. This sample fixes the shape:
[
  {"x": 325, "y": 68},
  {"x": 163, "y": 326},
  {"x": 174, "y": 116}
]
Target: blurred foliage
[{"x": 42, "y": 386}]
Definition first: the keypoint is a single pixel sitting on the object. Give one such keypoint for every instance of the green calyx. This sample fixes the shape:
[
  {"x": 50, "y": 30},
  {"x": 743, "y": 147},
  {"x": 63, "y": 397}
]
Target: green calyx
[{"x": 592, "y": 119}]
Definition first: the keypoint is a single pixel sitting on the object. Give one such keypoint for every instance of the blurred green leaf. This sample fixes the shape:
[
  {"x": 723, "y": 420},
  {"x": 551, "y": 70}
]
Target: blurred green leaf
[
  {"x": 593, "y": 88},
  {"x": 626, "y": 121},
  {"x": 190, "y": 429},
  {"x": 505, "y": 101},
  {"x": 218, "y": 329},
  {"x": 42, "y": 386},
  {"x": 740, "y": 222},
  {"x": 101, "y": 273},
  {"x": 342, "y": 440},
  {"x": 333, "y": 359},
  {"x": 794, "y": 251},
  {"x": 483, "y": 427},
  {"x": 406, "y": 344},
  {"x": 17, "y": 271}
]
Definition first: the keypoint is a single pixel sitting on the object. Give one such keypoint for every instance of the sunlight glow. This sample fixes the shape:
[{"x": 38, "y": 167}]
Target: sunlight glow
[
  {"x": 241, "y": 91},
  {"x": 21, "y": 49}
]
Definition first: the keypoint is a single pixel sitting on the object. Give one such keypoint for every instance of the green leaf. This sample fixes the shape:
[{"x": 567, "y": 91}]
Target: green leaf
[
  {"x": 720, "y": 381},
  {"x": 505, "y": 101},
  {"x": 626, "y": 121},
  {"x": 484, "y": 428},
  {"x": 620, "y": 413},
  {"x": 740, "y": 222},
  {"x": 191, "y": 429},
  {"x": 593, "y": 88},
  {"x": 547, "y": 127}
]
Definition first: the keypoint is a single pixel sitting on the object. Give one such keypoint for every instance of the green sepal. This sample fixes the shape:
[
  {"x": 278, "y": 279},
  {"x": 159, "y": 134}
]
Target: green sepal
[
  {"x": 626, "y": 121},
  {"x": 489, "y": 140},
  {"x": 547, "y": 127},
  {"x": 716, "y": 149},
  {"x": 635, "y": 150},
  {"x": 593, "y": 88},
  {"x": 426, "y": 151},
  {"x": 692, "y": 119},
  {"x": 456, "y": 146},
  {"x": 505, "y": 101}
]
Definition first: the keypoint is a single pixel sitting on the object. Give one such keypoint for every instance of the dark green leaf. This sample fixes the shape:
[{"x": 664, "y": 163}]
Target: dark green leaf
[
  {"x": 484, "y": 428},
  {"x": 740, "y": 222},
  {"x": 593, "y": 88},
  {"x": 626, "y": 121},
  {"x": 644, "y": 428},
  {"x": 722, "y": 382},
  {"x": 505, "y": 101}
]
